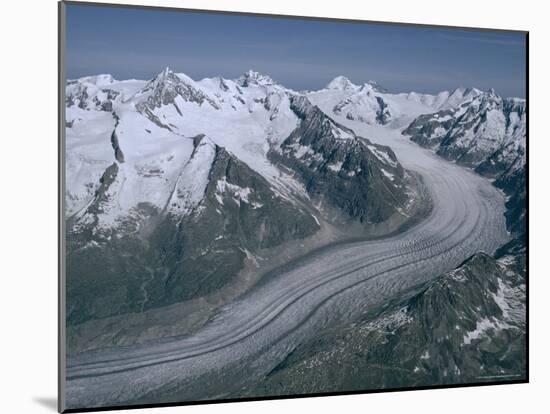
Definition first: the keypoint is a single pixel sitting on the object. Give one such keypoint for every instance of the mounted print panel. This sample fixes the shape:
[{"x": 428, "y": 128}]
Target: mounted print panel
[{"x": 259, "y": 206}]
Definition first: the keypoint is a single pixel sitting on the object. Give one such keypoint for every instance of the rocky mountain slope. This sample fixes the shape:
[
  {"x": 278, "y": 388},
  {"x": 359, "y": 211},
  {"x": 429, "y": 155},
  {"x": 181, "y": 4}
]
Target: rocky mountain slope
[
  {"x": 372, "y": 104},
  {"x": 468, "y": 325},
  {"x": 477, "y": 129},
  {"x": 361, "y": 179},
  {"x": 219, "y": 213},
  {"x": 488, "y": 134}
]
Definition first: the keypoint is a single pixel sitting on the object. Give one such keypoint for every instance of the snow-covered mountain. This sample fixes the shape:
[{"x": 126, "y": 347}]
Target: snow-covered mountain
[
  {"x": 372, "y": 104},
  {"x": 474, "y": 128},
  {"x": 487, "y": 133},
  {"x": 360, "y": 178},
  {"x": 147, "y": 129},
  {"x": 172, "y": 179}
]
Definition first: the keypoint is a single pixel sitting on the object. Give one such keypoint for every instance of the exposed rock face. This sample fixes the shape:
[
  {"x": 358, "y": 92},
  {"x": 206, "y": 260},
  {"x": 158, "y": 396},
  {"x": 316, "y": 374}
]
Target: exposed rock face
[
  {"x": 489, "y": 135},
  {"x": 383, "y": 115},
  {"x": 514, "y": 184},
  {"x": 89, "y": 96},
  {"x": 341, "y": 83},
  {"x": 196, "y": 246},
  {"x": 372, "y": 104},
  {"x": 165, "y": 88},
  {"x": 254, "y": 78},
  {"x": 430, "y": 129},
  {"x": 119, "y": 155},
  {"x": 102, "y": 197},
  {"x": 466, "y": 326},
  {"x": 348, "y": 172},
  {"x": 363, "y": 105}
]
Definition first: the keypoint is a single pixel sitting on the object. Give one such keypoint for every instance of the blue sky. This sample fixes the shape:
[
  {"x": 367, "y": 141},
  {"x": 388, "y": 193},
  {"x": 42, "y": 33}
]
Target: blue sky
[{"x": 301, "y": 54}]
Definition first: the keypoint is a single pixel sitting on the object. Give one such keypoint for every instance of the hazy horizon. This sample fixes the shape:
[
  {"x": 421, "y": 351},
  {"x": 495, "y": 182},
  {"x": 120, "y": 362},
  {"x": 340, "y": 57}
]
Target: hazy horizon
[{"x": 300, "y": 54}]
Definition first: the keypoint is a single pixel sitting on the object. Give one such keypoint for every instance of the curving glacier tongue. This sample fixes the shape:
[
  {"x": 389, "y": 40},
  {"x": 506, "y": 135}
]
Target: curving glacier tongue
[{"x": 221, "y": 181}]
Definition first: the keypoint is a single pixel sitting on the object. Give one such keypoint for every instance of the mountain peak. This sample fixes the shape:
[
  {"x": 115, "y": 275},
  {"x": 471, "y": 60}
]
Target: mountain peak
[
  {"x": 164, "y": 74},
  {"x": 458, "y": 91},
  {"x": 472, "y": 92},
  {"x": 251, "y": 73},
  {"x": 168, "y": 79},
  {"x": 166, "y": 86},
  {"x": 341, "y": 83},
  {"x": 162, "y": 78},
  {"x": 376, "y": 86},
  {"x": 251, "y": 77},
  {"x": 98, "y": 80},
  {"x": 489, "y": 97},
  {"x": 465, "y": 92}
]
